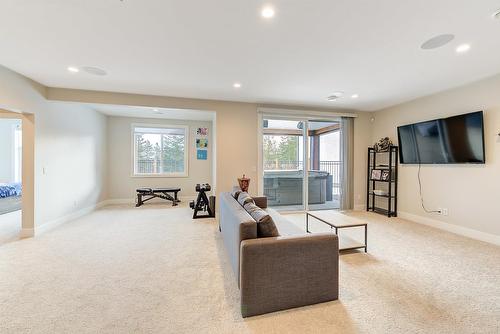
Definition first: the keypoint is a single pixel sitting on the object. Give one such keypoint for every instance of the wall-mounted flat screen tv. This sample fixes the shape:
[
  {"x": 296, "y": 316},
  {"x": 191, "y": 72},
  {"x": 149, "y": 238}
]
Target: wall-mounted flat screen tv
[{"x": 453, "y": 140}]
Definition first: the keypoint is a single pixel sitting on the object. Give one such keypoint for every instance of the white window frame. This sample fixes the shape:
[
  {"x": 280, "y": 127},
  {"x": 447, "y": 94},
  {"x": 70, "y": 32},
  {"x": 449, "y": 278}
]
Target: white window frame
[
  {"x": 17, "y": 152},
  {"x": 159, "y": 126}
]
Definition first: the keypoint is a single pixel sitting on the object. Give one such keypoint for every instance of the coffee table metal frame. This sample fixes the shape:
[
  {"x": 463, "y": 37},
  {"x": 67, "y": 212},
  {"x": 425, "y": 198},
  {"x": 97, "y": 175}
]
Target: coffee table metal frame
[{"x": 337, "y": 227}]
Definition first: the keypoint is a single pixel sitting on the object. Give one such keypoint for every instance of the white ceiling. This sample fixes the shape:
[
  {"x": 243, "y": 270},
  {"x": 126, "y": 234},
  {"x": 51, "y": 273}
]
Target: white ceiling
[
  {"x": 145, "y": 112},
  {"x": 198, "y": 49}
]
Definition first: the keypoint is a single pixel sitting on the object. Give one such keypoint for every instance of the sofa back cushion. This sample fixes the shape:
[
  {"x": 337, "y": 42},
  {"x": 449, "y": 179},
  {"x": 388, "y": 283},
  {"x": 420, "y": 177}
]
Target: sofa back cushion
[
  {"x": 236, "y": 225},
  {"x": 265, "y": 224}
]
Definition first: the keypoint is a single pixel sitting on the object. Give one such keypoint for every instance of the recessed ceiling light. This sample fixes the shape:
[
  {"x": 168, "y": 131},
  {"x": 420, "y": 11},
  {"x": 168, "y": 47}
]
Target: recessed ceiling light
[
  {"x": 155, "y": 110},
  {"x": 462, "y": 48},
  {"x": 437, "y": 41},
  {"x": 94, "y": 70},
  {"x": 335, "y": 96},
  {"x": 73, "y": 69},
  {"x": 267, "y": 12},
  {"x": 237, "y": 85},
  {"x": 354, "y": 96}
]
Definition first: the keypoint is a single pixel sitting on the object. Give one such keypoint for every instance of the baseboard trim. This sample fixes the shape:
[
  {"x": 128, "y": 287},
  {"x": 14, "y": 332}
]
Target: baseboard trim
[
  {"x": 463, "y": 231},
  {"x": 120, "y": 201},
  {"x": 360, "y": 207},
  {"x": 67, "y": 218},
  {"x": 27, "y": 233}
]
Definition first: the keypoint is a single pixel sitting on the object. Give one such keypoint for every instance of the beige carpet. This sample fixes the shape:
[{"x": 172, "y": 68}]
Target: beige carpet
[
  {"x": 154, "y": 270},
  {"x": 10, "y": 226}
]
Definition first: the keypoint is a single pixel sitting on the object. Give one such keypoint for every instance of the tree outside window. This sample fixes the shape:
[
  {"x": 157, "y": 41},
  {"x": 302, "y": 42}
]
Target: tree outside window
[{"x": 160, "y": 151}]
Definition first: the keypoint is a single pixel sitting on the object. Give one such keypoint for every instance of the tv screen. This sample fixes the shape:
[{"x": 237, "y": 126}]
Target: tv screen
[{"x": 453, "y": 140}]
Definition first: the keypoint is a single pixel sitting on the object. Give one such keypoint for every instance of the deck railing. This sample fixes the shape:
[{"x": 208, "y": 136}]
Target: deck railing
[{"x": 332, "y": 167}]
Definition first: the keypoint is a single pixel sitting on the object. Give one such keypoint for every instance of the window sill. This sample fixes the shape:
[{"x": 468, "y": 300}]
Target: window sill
[{"x": 159, "y": 176}]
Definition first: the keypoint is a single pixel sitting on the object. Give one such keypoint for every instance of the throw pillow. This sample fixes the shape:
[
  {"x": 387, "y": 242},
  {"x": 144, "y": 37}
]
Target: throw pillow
[
  {"x": 251, "y": 207},
  {"x": 265, "y": 224},
  {"x": 235, "y": 194},
  {"x": 244, "y": 198}
]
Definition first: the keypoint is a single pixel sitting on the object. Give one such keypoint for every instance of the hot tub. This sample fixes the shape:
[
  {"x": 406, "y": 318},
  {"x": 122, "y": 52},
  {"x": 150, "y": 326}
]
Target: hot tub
[{"x": 285, "y": 187}]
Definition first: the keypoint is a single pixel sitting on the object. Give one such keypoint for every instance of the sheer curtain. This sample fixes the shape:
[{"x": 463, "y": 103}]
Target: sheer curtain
[{"x": 347, "y": 167}]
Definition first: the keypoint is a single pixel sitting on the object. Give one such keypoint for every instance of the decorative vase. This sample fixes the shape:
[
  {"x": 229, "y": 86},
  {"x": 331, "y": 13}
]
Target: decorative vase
[
  {"x": 383, "y": 145},
  {"x": 244, "y": 183}
]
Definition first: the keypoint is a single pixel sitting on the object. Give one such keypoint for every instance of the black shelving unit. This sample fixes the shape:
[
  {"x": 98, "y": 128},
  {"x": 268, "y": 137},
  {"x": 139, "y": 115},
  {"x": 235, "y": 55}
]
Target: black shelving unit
[{"x": 386, "y": 163}]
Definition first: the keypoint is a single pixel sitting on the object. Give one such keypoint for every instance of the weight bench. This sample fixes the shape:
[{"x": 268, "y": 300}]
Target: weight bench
[{"x": 146, "y": 194}]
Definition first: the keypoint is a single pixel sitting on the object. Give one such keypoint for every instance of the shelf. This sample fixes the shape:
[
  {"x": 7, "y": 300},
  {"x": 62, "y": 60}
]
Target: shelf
[
  {"x": 393, "y": 150},
  {"x": 382, "y": 211},
  {"x": 382, "y": 180},
  {"x": 385, "y": 163},
  {"x": 346, "y": 243},
  {"x": 386, "y": 196}
]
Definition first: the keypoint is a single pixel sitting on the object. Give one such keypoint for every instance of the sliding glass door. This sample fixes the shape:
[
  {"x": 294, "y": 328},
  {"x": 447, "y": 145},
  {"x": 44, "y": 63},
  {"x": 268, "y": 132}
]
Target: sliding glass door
[
  {"x": 325, "y": 165},
  {"x": 301, "y": 164},
  {"x": 283, "y": 159}
]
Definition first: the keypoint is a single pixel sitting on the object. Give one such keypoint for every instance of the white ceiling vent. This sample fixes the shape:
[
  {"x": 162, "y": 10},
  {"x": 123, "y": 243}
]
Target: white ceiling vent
[
  {"x": 94, "y": 70},
  {"x": 437, "y": 42},
  {"x": 335, "y": 96}
]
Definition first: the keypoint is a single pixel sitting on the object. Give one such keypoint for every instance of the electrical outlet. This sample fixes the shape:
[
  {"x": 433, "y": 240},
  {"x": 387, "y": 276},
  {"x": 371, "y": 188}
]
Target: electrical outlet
[{"x": 444, "y": 212}]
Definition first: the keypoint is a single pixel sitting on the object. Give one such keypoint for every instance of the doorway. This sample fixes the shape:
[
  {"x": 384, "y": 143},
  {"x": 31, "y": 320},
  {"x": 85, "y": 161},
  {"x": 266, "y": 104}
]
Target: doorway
[
  {"x": 16, "y": 176},
  {"x": 10, "y": 176},
  {"x": 302, "y": 166}
]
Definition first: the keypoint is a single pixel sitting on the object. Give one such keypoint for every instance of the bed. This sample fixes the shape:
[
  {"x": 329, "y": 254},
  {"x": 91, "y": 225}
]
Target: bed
[{"x": 10, "y": 190}]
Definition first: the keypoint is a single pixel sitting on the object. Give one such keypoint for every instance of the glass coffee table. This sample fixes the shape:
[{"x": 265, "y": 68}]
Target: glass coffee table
[{"x": 338, "y": 221}]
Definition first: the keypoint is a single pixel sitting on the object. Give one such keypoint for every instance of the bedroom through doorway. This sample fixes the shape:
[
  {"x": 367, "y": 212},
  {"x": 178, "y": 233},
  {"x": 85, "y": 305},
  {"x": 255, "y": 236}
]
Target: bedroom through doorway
[{"x": 11, "y": 153}]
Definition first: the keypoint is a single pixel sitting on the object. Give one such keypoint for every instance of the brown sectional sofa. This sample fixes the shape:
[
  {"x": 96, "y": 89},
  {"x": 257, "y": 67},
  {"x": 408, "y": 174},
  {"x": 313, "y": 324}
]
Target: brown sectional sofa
[{"x": 277, "y": 273}]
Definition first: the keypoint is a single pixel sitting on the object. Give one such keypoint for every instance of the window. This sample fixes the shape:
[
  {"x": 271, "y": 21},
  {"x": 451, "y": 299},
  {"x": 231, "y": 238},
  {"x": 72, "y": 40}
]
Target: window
[
  {"x": 282, "y": 145},
  {"x": 160, "y": 150},
  {"x": 18, "y": 152},
  {"x": 282, "y": 152}
]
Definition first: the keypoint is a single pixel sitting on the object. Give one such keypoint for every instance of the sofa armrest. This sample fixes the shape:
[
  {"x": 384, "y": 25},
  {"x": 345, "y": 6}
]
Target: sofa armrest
[
  {"x": 260, "y": 201},
  {"x": 287, "y": 272}
]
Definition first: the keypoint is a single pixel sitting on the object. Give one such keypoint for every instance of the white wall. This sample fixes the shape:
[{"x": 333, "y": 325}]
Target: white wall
[
  {"x": 7, "y": 149},
  {"x": 122, "y": 184},
  {"x": 70, "y": 160},
  {"x": 469, "y": 192},
  {"x": 237, "y": 135},
  {"x": 71, "y": 136},
  {"x": 70, "y": 144}
]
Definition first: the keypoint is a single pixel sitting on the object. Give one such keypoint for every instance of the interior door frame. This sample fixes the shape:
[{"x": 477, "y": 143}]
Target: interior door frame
[
  {"x": 291, "y": 115},
  {"x": 28, "y": 170}
]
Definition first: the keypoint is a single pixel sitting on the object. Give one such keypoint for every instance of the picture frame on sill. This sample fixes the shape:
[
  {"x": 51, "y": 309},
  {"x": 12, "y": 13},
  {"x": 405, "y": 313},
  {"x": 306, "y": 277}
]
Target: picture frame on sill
[
  {"x": 385, "y": 175},
  {"x": 376, "y": 174}
]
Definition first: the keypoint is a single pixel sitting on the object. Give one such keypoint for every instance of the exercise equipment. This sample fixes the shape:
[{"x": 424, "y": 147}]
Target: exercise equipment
[
  {"x": 146, "y": 194},
  {"x": 203, "y": 203}
]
